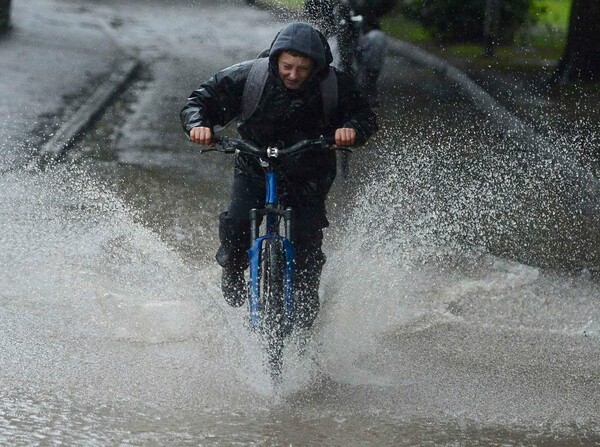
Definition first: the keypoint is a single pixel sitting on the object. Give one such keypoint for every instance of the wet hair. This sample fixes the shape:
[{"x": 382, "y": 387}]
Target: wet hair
[
  {"x": 297, "y": 54},
  {"x": 294, "y": 53}
]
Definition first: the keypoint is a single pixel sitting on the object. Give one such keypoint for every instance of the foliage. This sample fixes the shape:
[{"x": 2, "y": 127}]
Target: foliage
[
  {"x": 401, "y": 28},
  {"x": 294, "y": 4},
  {"x": 462, "y": 21},
  {"x": 554, "y": 13}
]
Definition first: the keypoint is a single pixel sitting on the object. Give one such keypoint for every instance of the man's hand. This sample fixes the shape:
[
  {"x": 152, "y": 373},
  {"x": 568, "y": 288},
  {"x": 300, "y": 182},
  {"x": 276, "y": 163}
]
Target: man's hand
[
  {"x": 201, "y": 135},
  {"x": 345, "y": 136}
]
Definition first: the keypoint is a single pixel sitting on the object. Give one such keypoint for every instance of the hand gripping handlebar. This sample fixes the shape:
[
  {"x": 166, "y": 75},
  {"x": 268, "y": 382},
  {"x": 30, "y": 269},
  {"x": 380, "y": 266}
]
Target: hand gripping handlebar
[{"x": 229, "y": 145}]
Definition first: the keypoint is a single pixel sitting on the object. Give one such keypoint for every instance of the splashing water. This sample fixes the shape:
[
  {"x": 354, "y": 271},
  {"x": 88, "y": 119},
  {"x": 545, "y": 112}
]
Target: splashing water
[
  {"x": 420, "y": 325},
  {"x": 415, "y": 304}
]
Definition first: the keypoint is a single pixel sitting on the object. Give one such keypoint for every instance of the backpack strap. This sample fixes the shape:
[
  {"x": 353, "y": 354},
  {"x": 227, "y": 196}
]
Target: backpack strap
[
  {"x": 257, "y": 79},
  {"x": 255, "y": 84}
]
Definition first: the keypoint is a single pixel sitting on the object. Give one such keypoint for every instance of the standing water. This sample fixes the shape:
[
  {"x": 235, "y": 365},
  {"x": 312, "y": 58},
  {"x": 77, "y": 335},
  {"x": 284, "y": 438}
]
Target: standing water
[{"x": 114, "y": 335}]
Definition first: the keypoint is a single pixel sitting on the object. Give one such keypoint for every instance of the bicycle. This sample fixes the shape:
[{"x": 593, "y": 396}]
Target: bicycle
[
  {"x": 270, "y": 288},
  {"x": 361, "y": 43}
]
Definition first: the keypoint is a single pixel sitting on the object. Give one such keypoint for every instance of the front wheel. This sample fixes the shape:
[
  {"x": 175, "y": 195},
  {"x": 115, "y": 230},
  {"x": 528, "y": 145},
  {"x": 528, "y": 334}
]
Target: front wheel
[{"x": 272, "y": 283}]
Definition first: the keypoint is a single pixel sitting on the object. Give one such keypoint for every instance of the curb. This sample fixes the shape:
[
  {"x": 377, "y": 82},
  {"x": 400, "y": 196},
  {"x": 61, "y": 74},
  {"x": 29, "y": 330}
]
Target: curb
[
  {"x": 83, "y": 117},
  {"x": 56, "y": 147},
  {"x": 481, "y": 98}
]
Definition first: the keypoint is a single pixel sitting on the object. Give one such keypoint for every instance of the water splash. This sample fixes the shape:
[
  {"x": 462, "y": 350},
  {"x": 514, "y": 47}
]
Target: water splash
[
  {"x": 418, "y": 301},
  {"x": 100, "y": 310}
]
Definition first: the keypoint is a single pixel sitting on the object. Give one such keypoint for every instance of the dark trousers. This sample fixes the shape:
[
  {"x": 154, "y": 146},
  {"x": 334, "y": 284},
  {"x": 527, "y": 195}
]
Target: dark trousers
[{"x": 248, "y": 192}]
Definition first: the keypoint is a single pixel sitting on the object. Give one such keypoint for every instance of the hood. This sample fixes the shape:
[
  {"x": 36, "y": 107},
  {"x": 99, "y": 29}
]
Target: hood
[{"x": 303, "y": 38}]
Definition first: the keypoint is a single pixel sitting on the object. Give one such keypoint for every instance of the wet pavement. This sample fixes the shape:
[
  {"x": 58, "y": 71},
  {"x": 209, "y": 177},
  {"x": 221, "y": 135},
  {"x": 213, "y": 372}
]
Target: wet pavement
[
  {"x": 115, "y": 331},
  {"x": 54, "y": 55}
]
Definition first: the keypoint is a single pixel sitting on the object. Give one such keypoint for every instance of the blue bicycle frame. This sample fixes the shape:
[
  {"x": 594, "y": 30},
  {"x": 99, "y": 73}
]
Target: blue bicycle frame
[{"x": 273, "y": 213}]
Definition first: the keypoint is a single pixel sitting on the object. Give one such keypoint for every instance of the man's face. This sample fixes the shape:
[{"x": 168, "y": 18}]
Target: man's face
[{"x": 294, "y": 69}]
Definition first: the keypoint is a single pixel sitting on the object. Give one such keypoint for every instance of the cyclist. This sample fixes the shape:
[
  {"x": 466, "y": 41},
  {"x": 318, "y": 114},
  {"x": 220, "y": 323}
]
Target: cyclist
[
  {"x": 290, "y": 109},
  {"x": 357, "y": 27}
]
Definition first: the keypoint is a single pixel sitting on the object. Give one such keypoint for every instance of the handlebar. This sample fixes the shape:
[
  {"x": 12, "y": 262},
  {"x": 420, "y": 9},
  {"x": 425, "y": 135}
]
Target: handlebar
[{"x": 235, "y": 145}]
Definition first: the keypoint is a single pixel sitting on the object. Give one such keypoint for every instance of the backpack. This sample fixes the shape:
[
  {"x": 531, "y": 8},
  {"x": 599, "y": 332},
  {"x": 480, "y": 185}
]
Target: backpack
[{"x": 257, "y": 78}]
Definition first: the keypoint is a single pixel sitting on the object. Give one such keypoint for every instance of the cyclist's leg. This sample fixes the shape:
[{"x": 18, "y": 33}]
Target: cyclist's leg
[
  {"x": 234, "y": 235},
  {"x": 309, "y": 264},
  {"x": 347, "y": 34},
  {"x": 310, "y": 259},
  {"x": 371, "y": 56}
]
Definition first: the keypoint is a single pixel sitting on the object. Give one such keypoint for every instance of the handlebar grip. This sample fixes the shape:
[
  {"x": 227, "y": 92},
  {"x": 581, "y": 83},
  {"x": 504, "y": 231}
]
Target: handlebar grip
[
  {"x": 221, "y": 141},
  {"x": 331, "y": 141}
]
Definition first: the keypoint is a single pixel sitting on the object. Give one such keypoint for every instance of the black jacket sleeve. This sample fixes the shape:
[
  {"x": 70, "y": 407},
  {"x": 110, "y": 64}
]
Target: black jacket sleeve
[{"x": 218, "y": 100}]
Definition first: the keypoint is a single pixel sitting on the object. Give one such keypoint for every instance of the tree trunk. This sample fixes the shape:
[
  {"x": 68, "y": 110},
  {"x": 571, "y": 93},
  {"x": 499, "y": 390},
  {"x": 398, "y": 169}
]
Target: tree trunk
[
  {"x": 4, "y": 14},
  {"x": 581, "y": 59}
]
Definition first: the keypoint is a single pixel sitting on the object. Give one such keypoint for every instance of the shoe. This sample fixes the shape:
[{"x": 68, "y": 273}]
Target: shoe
[{"x": 233, "y": 286}]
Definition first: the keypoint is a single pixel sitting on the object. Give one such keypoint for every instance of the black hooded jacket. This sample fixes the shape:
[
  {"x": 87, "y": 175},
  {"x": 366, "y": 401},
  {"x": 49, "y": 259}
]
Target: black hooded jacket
[{"x": 284, "y": 117}]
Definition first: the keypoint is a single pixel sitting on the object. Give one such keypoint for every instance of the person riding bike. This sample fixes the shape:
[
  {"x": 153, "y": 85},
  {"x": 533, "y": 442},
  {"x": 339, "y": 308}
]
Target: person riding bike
[
  {"x": 357, "y": 27},
  {"x": 290, "y": 109}
]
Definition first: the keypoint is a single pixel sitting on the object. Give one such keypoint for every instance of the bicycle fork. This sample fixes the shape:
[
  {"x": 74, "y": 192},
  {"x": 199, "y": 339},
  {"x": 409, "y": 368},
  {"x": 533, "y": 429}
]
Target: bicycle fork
[{"x": 273, "y": 215}]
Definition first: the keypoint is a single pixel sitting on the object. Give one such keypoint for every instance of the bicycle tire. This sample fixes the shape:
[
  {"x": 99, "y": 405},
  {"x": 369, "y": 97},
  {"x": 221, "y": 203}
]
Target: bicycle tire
[{"x": 272, "y": 280}]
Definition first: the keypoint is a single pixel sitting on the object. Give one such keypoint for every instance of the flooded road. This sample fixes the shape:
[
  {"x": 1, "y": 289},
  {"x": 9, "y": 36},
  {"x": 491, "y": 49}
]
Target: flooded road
[
  {"x": 446, "y": 318},
  {"x": 112, "y": 336}
]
